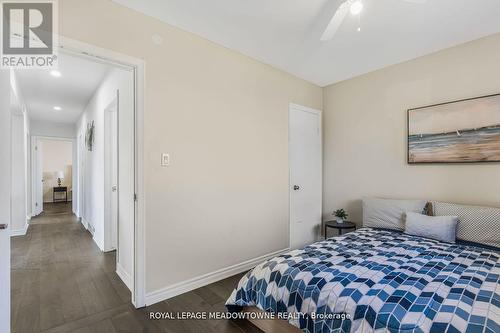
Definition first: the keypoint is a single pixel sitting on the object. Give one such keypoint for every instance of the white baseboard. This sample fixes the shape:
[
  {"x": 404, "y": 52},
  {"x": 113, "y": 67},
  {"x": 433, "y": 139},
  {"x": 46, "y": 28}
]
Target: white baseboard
[
  {"x": 19, "y": 232},
  {"x": 84, "y": 223},
  {"x": 124, "y": 276},
  {"x": 203, "y": 280},
  {"x": 99, "y": 244}
]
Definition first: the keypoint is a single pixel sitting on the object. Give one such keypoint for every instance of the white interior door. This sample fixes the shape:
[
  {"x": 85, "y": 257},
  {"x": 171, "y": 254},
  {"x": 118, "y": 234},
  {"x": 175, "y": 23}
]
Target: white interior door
[
  {"x": 37, "y": 176},
  {"x": 111, "y": 174},
  {"x": 305, "y": 154},
  {"x": 5, "y": 191}
]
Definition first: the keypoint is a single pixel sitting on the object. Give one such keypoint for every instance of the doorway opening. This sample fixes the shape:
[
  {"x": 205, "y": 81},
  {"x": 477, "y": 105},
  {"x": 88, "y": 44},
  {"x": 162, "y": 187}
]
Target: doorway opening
[
  {"x": 53, "y": 170},
  {"x": 80, "y": 128}
]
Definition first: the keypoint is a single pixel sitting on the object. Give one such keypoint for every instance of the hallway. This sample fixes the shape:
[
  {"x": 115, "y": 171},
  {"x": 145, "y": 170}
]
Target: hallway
[
  {"x": 62, "y": 282},
  {"x": 59, "y": 275}
]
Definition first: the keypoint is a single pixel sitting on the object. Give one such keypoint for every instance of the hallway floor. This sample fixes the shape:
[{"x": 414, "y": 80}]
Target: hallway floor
[{"x": 62, "y": 282}]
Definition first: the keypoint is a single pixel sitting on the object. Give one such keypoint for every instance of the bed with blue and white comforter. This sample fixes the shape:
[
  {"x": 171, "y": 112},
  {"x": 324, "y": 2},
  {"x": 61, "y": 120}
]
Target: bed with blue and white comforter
[{"x": 379, "y": 281}]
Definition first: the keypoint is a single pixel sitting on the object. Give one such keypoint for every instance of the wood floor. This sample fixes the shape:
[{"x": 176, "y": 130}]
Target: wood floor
[{"x": 62, "y": 282}]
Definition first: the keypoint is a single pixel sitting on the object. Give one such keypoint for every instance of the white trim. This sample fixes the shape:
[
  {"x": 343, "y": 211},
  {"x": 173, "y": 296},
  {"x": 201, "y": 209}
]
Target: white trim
[
  {"x": 93, "y": 52},
  {"x": 140, "y": 212},
  {"x": 320, "y": 115},
  {"x": 19, "y": 232},
  {"x": 95, "y": 241},
  {"x": 74, "y": 167},
  {"x": 124, "y": 276},
  {"x": 84, "y": 223},
  {"x": 304, "y": 108},
  {"x": 203, "y": 280}
]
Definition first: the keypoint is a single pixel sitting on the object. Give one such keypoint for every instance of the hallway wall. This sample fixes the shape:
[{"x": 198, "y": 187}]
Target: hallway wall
[
  {"x": 20, "y": 191},
  {"x": 46, "y": 128},
  {"x": 93, "y": 208}
]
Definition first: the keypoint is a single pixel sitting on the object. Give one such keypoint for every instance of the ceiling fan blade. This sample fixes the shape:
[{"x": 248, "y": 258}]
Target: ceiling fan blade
[{"x": 336, "y": 20}]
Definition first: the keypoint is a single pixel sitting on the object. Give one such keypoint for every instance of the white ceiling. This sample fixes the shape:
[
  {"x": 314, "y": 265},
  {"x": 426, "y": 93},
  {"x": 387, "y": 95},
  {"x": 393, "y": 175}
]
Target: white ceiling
[
  {"x": 72, "y": 91},
  {"x": 286, "y": 33}
]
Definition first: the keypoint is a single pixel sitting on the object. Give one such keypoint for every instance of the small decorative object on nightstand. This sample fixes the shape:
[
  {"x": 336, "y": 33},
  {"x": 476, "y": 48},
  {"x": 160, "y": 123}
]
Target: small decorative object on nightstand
[
  {"x": 345, "y": 225},
  {"x": 341, "y": 215}
]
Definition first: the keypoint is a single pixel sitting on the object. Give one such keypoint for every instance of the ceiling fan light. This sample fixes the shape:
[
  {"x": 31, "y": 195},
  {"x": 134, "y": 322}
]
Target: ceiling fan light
[{"x": 356, "y": 7}]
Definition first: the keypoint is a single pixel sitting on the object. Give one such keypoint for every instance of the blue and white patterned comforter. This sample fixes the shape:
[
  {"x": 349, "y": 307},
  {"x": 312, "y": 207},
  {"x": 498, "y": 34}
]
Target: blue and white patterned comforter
[{"x": 382, "y": 281}]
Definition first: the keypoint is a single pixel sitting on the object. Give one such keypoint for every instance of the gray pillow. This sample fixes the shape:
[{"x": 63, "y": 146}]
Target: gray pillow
[
  {"x": 389, "y": 213},
  {"x": 441, "y": 228},
  {"x": 477, "y": 224}
]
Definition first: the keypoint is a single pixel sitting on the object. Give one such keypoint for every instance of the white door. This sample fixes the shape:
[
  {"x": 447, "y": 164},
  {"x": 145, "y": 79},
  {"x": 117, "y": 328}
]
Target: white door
[
  {"x": 5, "y": 191},
  {"x": 305, "y": 154},
  {"x": 37, "y": 176},
  {"x": 111, "y": 174}
]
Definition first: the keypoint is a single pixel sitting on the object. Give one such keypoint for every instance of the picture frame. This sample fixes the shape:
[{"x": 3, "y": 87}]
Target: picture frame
[
  {"x": 461, "y": 131},
  {"x": 89, "y": 136}
]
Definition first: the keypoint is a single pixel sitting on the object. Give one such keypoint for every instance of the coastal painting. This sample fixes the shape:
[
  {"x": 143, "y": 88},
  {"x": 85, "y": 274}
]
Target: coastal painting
[{"x": 466, "y": 131}]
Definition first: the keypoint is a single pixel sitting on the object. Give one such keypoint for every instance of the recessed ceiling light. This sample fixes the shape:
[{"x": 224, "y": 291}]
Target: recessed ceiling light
[
  {"x": 55, "y": 73},
  {"x": 57, "y": 108},
  {"x": 356, "y": 7}
]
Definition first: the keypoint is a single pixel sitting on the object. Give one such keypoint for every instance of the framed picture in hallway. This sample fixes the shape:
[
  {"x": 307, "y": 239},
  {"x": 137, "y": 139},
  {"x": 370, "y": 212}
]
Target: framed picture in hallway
[
  {"x": 465, "y": 131},
  {"x": 89, "y": 136}
]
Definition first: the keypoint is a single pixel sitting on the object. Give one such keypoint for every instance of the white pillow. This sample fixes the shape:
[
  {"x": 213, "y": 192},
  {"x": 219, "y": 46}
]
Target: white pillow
[
  {"x": 441, "y": 228},
  {"x": 388, "y": 213}
]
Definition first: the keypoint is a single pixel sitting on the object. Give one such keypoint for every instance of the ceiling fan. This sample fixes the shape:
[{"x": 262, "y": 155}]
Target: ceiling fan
[{"x": 353, "y": 6}]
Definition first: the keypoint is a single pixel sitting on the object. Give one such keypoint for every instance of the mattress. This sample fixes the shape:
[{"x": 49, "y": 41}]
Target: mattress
[{"x": 376, "y": 281}]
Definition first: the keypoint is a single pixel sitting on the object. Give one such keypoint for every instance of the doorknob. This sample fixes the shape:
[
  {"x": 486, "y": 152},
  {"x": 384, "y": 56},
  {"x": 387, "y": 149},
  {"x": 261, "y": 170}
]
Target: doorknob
[
  {"x": 296, "y": 187},
  {"x": 113, "y": 188}
]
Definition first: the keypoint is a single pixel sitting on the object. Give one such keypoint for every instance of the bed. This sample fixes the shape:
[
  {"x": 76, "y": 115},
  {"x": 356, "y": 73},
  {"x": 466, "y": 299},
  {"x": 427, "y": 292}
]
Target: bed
[{"x": 375, "y": 280}]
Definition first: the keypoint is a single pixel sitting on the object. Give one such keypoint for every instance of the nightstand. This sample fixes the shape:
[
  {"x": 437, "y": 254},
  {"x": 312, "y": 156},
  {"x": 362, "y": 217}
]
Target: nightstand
[
  {"x": 60, "y": 189},
  {"x": 339, "y": 226}
]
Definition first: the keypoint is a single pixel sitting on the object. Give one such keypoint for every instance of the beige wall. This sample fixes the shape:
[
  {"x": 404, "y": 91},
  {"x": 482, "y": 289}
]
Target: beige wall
[
  {"x": 223, "y": 119},
  {"x": 365, "y": 130},
  {"x": 57, "y": 155}
]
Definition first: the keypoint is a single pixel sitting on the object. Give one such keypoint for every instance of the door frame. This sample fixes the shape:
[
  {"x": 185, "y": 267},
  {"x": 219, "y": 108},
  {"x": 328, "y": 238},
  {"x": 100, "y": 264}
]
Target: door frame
[
  {"x": 319, "y": 113},
  {"x": 34, "y": 180},
  {"x": 138, "y": 67},
  {"x": 80, "y": 157}
]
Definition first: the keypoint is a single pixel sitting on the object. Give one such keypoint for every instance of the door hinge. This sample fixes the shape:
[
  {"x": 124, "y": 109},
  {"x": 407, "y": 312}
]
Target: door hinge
[
  {"x": 36, "y": 147},
  {"x": 135, "y": 197},
  {"x": 36, "y": 204}
]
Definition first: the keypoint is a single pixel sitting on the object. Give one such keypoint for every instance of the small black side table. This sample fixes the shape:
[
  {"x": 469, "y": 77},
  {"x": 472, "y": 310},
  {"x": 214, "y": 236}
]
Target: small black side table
[
  {"x": 339, "y": 226},
  {"x": 60, "y": 189}
]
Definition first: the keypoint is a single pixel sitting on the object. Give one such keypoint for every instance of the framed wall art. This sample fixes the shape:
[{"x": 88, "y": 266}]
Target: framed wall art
[{"x": 465, "y": 131}]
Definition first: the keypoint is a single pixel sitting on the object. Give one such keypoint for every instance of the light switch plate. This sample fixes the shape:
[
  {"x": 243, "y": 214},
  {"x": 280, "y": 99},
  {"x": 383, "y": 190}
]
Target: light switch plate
[{"x": 165, "y": 160}]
